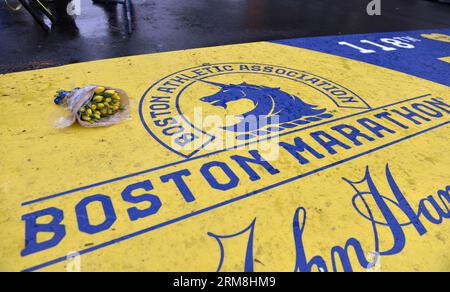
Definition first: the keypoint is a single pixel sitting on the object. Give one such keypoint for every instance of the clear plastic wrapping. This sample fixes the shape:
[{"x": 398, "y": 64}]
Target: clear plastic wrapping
[{"x": 78, "y": 98}]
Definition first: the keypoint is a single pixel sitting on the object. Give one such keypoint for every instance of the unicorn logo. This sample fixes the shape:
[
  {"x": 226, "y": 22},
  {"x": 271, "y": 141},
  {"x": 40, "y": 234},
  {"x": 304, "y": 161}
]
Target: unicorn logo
[
  {"x": 243, "y": 113},
  {"x": 271, "y": 105}
]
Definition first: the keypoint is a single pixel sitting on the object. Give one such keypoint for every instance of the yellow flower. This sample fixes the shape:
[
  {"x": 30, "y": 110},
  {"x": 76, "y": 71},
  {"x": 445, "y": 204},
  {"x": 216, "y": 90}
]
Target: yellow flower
[{"x": 99, "y": 90}]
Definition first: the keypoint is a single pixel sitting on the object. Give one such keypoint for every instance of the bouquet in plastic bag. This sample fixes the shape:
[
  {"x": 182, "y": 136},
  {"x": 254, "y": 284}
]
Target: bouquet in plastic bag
[{"x": 92, "y": 106}]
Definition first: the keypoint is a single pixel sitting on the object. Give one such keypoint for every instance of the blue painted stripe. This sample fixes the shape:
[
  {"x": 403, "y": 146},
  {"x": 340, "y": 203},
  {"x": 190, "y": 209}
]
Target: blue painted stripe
[{"x": 422, "y": 61}]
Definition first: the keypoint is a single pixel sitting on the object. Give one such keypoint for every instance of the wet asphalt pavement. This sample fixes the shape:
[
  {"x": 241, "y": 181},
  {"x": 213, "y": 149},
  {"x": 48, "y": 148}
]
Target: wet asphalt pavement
[{"x": 100, "y": 31}]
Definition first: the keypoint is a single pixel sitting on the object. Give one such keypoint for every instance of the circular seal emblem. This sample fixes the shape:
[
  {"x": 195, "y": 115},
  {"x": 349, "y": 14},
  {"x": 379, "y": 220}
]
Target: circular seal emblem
[{"x": 218, "y": 106}]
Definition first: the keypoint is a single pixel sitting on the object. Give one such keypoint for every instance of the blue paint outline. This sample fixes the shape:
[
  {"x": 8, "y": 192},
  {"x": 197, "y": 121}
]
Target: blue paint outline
[
  {"x": 249, "y": 251},
  {"x": 27, "y": 203},
  {"x": 244, "y": 196},
  {"x": 141, "y": 115}
]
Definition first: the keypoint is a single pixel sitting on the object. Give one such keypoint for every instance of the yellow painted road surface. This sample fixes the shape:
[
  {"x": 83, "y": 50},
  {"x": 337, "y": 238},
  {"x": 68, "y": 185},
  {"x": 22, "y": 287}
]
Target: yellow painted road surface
[{"x": 365, "y": 187}]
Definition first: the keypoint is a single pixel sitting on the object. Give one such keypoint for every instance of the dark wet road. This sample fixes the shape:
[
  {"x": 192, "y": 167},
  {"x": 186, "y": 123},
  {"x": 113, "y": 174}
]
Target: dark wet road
[{"x": 165, "y": 25}]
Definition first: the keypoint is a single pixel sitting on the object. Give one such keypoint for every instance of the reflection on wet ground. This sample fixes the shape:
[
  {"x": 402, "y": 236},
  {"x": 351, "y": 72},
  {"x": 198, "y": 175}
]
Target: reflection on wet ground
[{"x": 100, "y": 31}]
